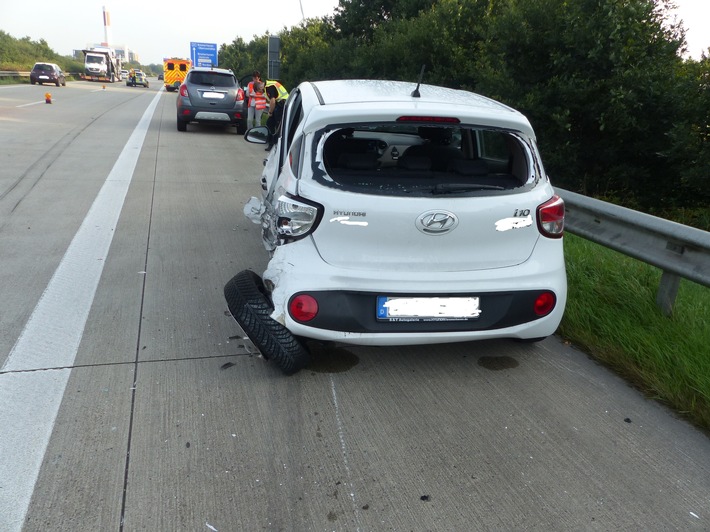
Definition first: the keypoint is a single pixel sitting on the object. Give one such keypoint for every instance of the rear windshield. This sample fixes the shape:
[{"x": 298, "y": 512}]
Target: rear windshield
[
  {"x": 406, "y": 159},
  {"x": 213, "y": 79},
  {"x": 44, "y": 68}
]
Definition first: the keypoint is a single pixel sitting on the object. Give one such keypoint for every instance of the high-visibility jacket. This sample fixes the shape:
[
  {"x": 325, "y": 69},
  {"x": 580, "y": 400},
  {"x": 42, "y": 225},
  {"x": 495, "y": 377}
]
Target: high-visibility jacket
[
  {"x": 283, "y": 93},
  {"x": 259, "y": 98}
]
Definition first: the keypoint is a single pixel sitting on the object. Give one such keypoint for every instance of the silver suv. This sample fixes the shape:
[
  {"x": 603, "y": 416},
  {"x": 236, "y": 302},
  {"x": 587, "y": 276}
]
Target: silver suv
[
  {"x": 397, "y": 214},
  {"x": 212, "y": 96}
]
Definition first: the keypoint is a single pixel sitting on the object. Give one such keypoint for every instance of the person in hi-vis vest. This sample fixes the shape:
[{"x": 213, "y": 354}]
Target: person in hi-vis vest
[{"x": 257, "y": 100}]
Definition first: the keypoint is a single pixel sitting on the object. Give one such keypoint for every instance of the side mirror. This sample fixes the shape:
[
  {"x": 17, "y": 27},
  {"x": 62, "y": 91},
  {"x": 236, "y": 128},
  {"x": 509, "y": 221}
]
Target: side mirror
[{"x": 257, "y": 135}]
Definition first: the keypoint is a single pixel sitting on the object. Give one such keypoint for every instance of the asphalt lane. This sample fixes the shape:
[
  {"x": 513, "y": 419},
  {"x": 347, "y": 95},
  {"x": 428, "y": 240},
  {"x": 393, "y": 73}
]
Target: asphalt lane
[{"x": 166, "y": 420}]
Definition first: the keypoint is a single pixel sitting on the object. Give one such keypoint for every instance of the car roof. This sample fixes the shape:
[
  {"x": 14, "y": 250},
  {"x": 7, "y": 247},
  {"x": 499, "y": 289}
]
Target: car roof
[
  {"x": 211, "y": 69},
  {"x": 374, "y": 98}
]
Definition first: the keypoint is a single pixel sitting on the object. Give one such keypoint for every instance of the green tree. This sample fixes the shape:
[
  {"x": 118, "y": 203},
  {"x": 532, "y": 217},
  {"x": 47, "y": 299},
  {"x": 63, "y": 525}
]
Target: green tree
[
  {"x": 688, "y": 149},
  {"x": 359, "y": 19},
  {"x": 599, "y": 79},
  {"x": 308, "y": 54}
]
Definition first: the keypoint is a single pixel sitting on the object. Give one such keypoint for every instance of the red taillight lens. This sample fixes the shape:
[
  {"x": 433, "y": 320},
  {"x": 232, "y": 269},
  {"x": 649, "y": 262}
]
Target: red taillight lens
[
  {"x": 544, "y": 303},
  {"x": 240, "y": 95},
  {"x": 303, "y": 307},
  {"x": 183, "y": 91},
  {"x": 551, "y": 217}
]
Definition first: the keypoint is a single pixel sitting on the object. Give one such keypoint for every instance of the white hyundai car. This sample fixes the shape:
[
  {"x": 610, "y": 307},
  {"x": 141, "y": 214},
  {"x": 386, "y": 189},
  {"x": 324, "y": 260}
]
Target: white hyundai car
[{"x": 398, "y": 213}]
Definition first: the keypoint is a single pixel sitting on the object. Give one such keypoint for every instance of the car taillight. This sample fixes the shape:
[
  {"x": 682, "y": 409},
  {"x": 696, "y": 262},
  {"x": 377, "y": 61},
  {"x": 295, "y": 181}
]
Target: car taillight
[
  {"x": 183, "y": 91},
  {"x": 544, "y": 303},
  {"x": 430, "y": 119},
  {"x": 240, "y": 95},
  {"x": 551, "y": 217},
  {"x": 303, "y": 307},
  {"x": 295, "y": 218}
]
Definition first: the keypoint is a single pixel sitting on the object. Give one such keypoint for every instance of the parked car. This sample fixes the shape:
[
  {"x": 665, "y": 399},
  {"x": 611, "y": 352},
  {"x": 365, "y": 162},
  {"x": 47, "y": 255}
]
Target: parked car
[
  {"x": 140, "y": 79},
  {"x": 124, "y": 74},
  {"x": 212, "y": 96},
  {"x": 47, "y": 73},
  {"x": 400, "y": 214}
]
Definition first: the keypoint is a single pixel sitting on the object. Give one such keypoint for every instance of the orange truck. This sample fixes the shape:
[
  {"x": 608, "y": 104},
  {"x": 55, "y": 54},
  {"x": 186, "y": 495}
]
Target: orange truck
[{"x": 174, "y": 72}]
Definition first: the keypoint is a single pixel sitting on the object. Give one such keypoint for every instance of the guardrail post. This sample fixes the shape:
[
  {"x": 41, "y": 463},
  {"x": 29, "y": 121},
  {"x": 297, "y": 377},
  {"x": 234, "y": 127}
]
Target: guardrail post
[{"x": 667, "y": 292}]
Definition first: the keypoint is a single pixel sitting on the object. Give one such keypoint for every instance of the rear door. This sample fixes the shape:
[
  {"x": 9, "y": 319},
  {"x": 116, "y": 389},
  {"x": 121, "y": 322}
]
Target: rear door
[
  {"x": 424, "y": 234},
  {"x": 385, "y": 215}
]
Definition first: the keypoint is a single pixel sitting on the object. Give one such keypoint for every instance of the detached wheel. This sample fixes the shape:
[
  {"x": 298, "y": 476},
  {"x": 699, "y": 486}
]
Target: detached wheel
[{"x": 249, "y": 303}]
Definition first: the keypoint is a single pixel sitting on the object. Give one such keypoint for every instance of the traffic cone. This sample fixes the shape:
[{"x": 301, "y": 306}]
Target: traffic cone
[
  {"x": 47, "y": 97},
  {"x": 103, "y": 87}
]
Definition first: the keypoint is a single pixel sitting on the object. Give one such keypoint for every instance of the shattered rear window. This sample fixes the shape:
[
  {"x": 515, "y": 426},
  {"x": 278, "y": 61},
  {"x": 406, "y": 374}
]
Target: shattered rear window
[{"x": 406, "y": 159}]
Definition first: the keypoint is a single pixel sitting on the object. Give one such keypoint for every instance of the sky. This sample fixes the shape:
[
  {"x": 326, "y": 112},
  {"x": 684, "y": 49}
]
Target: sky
[{"x": 165, "y": 28}]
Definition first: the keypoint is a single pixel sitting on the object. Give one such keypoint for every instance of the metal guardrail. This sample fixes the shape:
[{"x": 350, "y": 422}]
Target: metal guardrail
[
  {"x": 14, "y": 74},
  {"x": 680, "y": 251}
]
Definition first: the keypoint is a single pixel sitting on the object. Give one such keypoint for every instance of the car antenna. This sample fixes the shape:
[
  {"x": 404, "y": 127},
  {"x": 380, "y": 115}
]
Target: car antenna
[{"x": 415, "y": 92}]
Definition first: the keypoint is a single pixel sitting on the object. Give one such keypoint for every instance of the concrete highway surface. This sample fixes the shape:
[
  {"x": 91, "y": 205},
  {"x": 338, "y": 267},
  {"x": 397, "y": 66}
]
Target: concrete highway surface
[{"x": 129, "y": 400}]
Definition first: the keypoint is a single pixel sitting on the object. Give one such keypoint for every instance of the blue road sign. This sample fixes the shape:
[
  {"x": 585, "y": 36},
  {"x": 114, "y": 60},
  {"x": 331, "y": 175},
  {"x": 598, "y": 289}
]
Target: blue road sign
[{"x": 203, "y": 54}]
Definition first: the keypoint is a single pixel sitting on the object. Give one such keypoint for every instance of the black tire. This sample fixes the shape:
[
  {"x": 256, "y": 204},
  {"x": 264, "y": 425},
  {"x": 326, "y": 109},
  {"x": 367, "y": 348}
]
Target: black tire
[
  {"x": 249, "y": 303},
  {"x": 57, "y": 83},
  {"x": 181, "y": 125},
  {"x": 530, "y": 340}
]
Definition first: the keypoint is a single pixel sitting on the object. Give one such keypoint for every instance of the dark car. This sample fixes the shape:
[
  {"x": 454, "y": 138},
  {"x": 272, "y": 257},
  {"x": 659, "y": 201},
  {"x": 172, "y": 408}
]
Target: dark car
[
  {"x": 47, "y": 73},
  {"x": 139, "y": 79},
  {"x": 211, "y": 96}
]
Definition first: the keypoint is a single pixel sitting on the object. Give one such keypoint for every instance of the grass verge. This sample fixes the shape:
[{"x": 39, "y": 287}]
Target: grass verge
[{"x": 612, "y": 315}]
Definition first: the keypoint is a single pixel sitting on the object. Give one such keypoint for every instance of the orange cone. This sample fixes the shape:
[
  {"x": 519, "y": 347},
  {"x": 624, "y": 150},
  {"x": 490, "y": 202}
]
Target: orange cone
[{"x": 47, "y": 98}]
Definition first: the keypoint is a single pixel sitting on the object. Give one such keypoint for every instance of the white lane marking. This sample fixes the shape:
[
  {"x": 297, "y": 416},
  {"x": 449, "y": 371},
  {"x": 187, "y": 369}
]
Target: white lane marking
[
  {"x": 28, "y": 104},
  {"x": 29, "y": 402}
]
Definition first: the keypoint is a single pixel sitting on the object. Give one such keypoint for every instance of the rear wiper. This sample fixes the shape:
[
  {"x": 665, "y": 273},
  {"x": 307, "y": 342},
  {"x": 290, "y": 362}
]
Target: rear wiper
[{"x": 448, "y": 188}]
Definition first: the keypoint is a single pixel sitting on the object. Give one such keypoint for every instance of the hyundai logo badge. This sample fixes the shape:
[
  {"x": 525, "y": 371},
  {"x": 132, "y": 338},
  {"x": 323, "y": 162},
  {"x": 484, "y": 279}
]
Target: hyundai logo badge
[{"x": 437, "y": 222}]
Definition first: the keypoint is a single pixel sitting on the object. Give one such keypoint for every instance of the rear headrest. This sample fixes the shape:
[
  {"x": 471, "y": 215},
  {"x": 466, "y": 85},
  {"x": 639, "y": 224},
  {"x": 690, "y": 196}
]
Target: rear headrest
[
  {"x": 468, "y": 167},
  {"x": 359, "y": 161},
  {"x": 414, "y": 162}
]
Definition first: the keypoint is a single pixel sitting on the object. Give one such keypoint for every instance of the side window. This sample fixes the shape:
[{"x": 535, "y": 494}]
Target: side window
[
  {"x": 492, "y": 145},
  {"x": 293, "y": 114},
  {"x": 295, "y": 155}
]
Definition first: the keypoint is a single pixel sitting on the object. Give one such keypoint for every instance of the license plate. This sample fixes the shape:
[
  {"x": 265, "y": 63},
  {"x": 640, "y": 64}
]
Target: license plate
[
  {"x": 213, "y": 95},
  {"x": 393, "y": 308},
  {"x": 44, "y": 77}
]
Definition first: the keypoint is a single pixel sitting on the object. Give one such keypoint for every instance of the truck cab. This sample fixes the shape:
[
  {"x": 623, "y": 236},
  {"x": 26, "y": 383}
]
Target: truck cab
[{"x": 101, "y": 64}]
